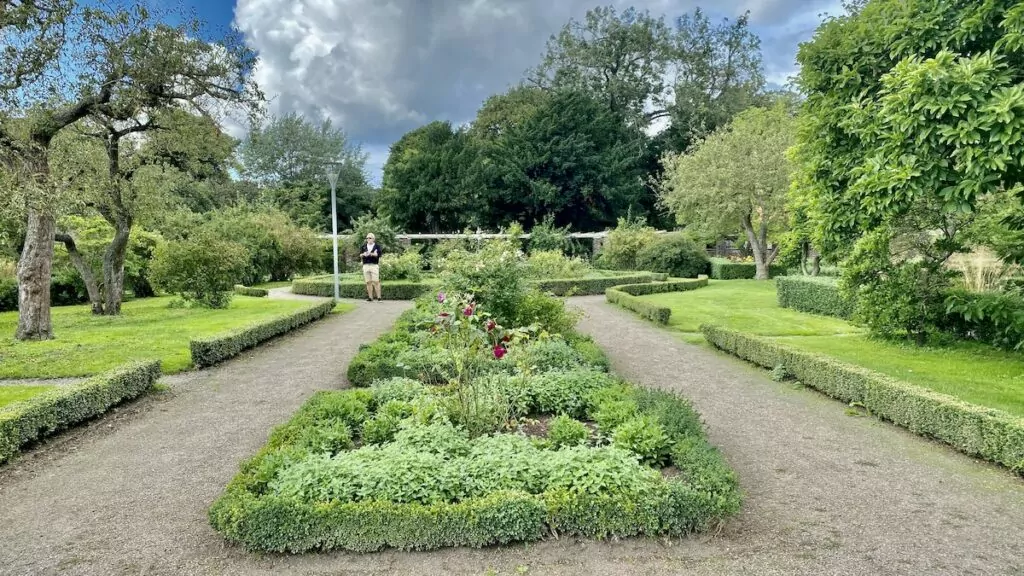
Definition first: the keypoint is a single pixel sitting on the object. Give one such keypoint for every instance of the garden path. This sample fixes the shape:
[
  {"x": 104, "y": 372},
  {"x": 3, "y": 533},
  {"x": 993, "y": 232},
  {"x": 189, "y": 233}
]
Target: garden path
[{"x": 827, "y": 493}]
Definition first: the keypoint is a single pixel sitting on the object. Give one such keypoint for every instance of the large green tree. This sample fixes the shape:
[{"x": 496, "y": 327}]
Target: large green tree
[
  {"x": 428, "y": 183},
  {"x": 572, "y": 158},
  {"x": 914, "y": 110},
  {"x": 695, "y": 73},
  {"x": 286, "y": 157},
  {"x": 124, "y": 169},
  {"x": 106, "y": 61},
  {"x": 914, "y": 121},
  {"x": 621, "y": 58},
  {"x": 737, "y": 178}
]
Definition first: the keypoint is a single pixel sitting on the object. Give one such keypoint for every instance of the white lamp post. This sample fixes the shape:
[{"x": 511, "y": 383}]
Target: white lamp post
[{"x": 333, "y": 171}]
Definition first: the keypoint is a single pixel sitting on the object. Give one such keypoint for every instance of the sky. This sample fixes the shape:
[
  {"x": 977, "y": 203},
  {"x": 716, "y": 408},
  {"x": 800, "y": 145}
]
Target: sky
[{"x": 380, "y": 68}]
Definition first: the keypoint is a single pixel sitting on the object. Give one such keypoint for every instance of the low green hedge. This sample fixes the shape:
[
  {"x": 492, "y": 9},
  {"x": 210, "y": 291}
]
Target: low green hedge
[
  {"x": 209, "y": 351},
  {"x": 591, "y": 286},
  {"x": 254, "y": 292},
  {"x": 396, "y": 290},
  {"x": 725, "y": 269},
  {"x": 65, "y": 406},
  {"x": 628, "y": 296},
  {"x": 983, "y": 432},
  {"x": 813, "y": 295}
]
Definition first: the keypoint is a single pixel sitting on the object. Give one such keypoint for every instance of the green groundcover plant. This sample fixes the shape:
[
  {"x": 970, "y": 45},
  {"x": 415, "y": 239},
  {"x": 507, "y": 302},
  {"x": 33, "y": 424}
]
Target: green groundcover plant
[{"x": 477, "y": 434}]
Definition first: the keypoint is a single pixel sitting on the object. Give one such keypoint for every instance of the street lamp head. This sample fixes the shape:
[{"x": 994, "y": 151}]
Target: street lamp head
[{"x": 333, "y": 169}]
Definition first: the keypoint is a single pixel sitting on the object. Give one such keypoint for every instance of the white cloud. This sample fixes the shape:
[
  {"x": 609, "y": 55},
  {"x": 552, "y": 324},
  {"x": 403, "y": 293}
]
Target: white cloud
[{"x": 379, "y": 68}]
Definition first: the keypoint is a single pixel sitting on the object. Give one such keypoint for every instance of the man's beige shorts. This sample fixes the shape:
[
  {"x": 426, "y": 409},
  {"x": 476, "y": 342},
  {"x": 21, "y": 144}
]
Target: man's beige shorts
[{"x": 371, "y": 272}]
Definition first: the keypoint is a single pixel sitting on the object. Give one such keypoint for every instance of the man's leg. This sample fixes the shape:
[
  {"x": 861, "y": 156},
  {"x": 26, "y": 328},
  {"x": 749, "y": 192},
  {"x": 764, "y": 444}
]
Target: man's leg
[
  {"x": 377, "y": 285},
  {"x": 369, "y": 291}
]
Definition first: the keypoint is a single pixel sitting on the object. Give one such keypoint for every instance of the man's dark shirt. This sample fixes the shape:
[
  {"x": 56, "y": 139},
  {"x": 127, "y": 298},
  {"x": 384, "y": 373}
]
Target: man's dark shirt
[{"x": 374, "y": 257}]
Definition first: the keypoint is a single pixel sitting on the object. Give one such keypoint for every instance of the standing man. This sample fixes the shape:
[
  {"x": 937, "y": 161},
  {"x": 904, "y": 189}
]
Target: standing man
[{"x": 370, "y": 254}]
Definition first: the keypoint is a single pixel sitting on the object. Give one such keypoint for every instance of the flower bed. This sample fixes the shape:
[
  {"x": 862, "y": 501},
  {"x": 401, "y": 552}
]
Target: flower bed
[
  {"x": 628, "y": 297},
  {"x": 64, "y": 406},
  {"x": 813, "y": 295},
  {"x": 507, "y": 435},
  {"x": 990, "y": 434}
]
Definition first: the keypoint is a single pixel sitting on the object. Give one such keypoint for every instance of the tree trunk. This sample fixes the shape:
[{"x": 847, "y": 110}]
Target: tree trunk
[
  {"x": 113, "y": 267},
  {"x": 34, "y": 270},
  {"x": 757, "y": 247},
  {"x": 91, "y": 286}
]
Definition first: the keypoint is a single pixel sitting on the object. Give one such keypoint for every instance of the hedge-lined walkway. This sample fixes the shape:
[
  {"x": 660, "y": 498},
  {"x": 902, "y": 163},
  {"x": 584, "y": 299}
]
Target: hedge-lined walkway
[
  {"x": 827, "y": 493},
  {"x": 133, "y": 499}
]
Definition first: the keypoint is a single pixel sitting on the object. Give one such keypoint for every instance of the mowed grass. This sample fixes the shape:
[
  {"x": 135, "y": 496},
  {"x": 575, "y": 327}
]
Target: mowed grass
[
  {"x": 146, "y": 329},
  {"x": 746, "y": 305},
  {"x": 972, "y": 372},
  {"x": 12, "y": 394}
]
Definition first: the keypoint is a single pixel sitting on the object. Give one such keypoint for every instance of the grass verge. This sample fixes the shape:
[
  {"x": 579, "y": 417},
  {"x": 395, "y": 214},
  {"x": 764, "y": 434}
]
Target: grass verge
[{"x": 87, "y": 344}]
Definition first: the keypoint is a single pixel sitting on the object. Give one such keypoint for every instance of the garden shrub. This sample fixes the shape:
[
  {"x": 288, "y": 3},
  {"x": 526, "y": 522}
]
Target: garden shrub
[
  {"x": 64, "y": 406},
  {"x": 644, "y": 437},
  {"x": 589, "y": 352},
  {"x": 565, "y": 431},
  {"x": 610, "y": 414},
  {"x": 380, "y": 429},
  {"x": 405, "y": 266},
  {"x": 993, "y": 318},
  {"x": 624, "y": 243},
  {"x": 557, "y": 392},
  {"x": 252, "y": 292},
  {"x": 900, "y": 301},
  {"x": 210, "y": 351},
  {"x": 494, "y": 275},
  {"x": 545, "y": 237},
  {"x": 547, "y": 355},
  {"x": 8, "y": 294},
  {"x": 674, "y": 254},
  {"x": 543, "y": 265},
  {"x": 276, "y": 247},
  {"x": 384, "y": 234},
  {"x": 396, "y": 390},
  {"x": 202, "y": 269},
  {"x": 987, "y": 433},
  {"x": 813, "y": 295},
  {"x": 546, "y": 313}
]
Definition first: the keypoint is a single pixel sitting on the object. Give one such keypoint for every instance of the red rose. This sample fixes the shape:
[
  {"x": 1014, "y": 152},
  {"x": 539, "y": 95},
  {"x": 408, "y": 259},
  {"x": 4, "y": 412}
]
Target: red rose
[{"x": 499, "y": 351}]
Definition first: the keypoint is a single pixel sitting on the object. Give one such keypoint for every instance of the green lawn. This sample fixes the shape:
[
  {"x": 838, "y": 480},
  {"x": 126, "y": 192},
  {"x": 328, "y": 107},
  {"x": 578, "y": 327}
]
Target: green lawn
[
  {"x": 272, "y": 285},
  {"x": 746, "y": 305},
  {"x": 973, "y": 372},
  {"x": 87, "y": 344},
  {"x": 12, "y": 394}
]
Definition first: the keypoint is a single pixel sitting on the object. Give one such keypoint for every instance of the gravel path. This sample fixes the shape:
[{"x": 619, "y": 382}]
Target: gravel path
[{"x": 826, "y": 493}]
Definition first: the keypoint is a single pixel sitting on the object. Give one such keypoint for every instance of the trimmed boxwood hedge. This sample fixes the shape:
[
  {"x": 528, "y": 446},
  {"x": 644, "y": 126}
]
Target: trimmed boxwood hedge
[
  {"x": 627, "y": 296},
  {"x": 254, "y": 292},
  {"x": 814, "y": 295},
  {"x": 396, "y": 290},
  {"x": 725, "y": 269},
  {"x": 591, "y": 286},
  {"x": 983, "y": 432},
  {"x": 209, "y": 351},
  {"x": 65, "y": 406}
]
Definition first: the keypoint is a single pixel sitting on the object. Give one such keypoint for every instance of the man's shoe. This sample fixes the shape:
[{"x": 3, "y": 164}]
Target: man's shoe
[{"x": 368, "y": 299}]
